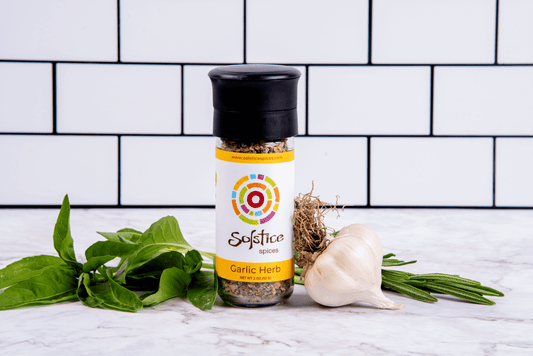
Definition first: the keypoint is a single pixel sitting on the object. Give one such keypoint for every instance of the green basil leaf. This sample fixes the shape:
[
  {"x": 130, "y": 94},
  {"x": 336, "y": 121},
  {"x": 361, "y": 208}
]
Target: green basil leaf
[
  {"x": 84, "y": 292},
  {"x": 119, "y": 273},
  {"x": 102, "y": 252},
  {"x": 69, "y": 296},
  {"x": 162, "y": 236},
  {"x": 107, "y": 295},
  {"x": 130, "y": 230},
  {"x": 63, "y": 242},
  {"x": 127, "y": 237},
  {"x": 155, "y": 267},
  {"x": 173, "y": 283},
  {"x": 165, "y": 230},
  {"x": 50, "y": 285},
  {"x": 145, "y": 254},
  {"x": 26, "y": 268},
  {"x": 202, "y": 291},
  {"x": 193, "y": 261}
]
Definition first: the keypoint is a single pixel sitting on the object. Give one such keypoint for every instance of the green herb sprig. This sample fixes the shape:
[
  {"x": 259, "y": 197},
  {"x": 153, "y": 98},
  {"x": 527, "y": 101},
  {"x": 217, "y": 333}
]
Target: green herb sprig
[{"x": 158, "y": 260}]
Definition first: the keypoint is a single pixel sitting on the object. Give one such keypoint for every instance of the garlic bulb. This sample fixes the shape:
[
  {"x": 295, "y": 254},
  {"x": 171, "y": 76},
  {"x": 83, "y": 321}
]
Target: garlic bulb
[{"x": 349, "y": 270}]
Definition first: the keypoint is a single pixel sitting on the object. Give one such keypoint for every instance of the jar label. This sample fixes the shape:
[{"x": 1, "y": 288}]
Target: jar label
[{"x": 254, "y": 208}]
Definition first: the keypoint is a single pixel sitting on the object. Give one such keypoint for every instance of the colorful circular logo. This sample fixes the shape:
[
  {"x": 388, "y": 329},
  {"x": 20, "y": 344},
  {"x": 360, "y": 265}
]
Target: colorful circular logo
[{"x": 255, "y": 199}]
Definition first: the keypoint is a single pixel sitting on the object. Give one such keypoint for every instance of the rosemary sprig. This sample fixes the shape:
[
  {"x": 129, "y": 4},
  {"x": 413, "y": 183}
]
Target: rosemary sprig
[
  {"x": 458, "y": 292},
  {"x": 408, "y": 290},
  {"x": 390, "y": 262},
  {"x": 419, "y": 286},
  {"x": 445, "y": 278}
]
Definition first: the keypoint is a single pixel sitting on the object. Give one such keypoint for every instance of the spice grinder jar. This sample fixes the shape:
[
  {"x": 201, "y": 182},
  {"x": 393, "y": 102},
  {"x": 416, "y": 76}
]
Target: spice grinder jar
[{"x": 255, "y": 121}]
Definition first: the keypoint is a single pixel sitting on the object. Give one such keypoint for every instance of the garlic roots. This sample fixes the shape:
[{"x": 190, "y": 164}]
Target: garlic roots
[{"x": 349, "y": 270}]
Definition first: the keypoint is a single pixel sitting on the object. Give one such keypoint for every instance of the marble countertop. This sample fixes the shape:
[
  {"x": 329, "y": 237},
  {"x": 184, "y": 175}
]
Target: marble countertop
[{"x": 491, "y": 246}]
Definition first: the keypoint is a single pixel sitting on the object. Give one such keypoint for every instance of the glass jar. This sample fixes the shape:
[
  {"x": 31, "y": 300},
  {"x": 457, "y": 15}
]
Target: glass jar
[{"x": 254, "y": 123}]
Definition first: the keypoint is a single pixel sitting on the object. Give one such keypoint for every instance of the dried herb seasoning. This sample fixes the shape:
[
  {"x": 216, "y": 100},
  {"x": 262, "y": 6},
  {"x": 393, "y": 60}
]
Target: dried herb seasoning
[{"x": 255, "y": 121}]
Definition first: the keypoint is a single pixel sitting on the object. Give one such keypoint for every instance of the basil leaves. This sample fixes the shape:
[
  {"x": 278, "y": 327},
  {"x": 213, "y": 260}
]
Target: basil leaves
[
  {"x": 37, "y": 280},
  {"x": 158, "y": 260}
]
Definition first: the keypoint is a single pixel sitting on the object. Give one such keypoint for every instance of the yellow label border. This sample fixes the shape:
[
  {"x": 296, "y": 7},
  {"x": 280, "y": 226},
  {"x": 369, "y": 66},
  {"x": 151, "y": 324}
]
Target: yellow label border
[
  {"x": 255, "y": 271},
  {"x": 254, "y": 158}
]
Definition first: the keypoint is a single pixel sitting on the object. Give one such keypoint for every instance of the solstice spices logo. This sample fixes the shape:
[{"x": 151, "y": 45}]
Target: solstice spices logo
[{"x": 255, "y": 199}]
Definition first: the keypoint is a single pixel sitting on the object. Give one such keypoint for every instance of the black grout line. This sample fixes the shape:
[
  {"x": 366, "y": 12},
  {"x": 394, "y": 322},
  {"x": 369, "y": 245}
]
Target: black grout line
[
  {"x": 122, "y": 62},
  {"x": 306, "y": 100},
  {"x": 54, "y": 99},
  {"x": 290, "y": 64},
  {"x": 369, "y": 31},
  {"x": 244, "y": 32},
  {"x": 101, "y": 134},
  {"x": 182, "y": 101},
  {"x": 494, "y": 172},
  {"x": 368, "y": 172},
  {"x": 496, "y": 36},
  {"x": 432, "y": 84},
  {"x": 119, "y": 182},
  {"x": 118, "y": 31},
  {"x": 209, "y": 135}
]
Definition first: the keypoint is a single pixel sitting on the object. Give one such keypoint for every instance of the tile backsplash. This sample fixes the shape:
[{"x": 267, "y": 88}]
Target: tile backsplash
[{"x": 402, "y": 103}]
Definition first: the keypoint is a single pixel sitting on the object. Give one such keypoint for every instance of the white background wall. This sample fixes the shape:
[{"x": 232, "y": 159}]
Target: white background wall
[{"x": 401, "y": 102}]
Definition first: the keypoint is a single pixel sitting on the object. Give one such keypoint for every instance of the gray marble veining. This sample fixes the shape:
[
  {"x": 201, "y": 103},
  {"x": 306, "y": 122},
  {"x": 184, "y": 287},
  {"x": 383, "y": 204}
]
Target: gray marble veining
[{"x": 492, "y": 246}]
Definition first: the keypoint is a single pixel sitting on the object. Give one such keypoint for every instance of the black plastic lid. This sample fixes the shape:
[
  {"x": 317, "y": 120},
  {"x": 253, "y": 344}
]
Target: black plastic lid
[{"x": 255, "y": 101}]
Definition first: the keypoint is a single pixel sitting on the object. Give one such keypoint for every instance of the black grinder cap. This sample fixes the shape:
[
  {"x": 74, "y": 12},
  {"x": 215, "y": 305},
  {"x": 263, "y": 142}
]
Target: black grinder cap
[{"x": 255, "y": 102}]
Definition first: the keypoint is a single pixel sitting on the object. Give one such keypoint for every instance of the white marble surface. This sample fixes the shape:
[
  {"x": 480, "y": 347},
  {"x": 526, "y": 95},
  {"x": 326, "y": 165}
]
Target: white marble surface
[{"x": 492, "y": 246}]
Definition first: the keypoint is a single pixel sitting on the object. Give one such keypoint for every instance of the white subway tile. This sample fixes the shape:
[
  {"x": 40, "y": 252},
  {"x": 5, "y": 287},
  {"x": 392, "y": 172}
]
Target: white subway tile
[
  {"x": 515, "y": 31},
  {"x": 436, "y": 31},
  {"x": 81, "y": 30},
  {"x": 431, "y": 171},
  {"x": 198, "y": 100},
  {"x": 483, "y": 101},
  {"x": 113, "y": 98},
  {"x": 40, "y": 170},
  {"x": 307, "y": 31},
  {"x": 182, "y": 31},
  {"x": 514, "y": 172},
  {"x": 25, "y": 97},
  {"x": 337, "y": 166},
  {"x": 369, "y": 100},
  {"x": 301, "y": 100},
  {"x": 168, "y": 171}
]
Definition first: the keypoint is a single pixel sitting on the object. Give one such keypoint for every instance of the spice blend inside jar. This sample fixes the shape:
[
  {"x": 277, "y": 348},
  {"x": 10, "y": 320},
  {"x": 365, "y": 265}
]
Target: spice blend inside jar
[{"x": 255, "y": 121}]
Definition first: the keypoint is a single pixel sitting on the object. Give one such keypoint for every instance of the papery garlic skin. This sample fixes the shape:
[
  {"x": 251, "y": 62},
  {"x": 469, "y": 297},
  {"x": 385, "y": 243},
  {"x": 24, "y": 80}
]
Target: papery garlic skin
[{"x": 349, "y": 270}]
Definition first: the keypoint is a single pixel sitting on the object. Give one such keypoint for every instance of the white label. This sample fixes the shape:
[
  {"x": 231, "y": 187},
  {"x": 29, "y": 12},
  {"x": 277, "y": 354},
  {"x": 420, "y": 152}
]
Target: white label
[{"x": 254, "y": 207}]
